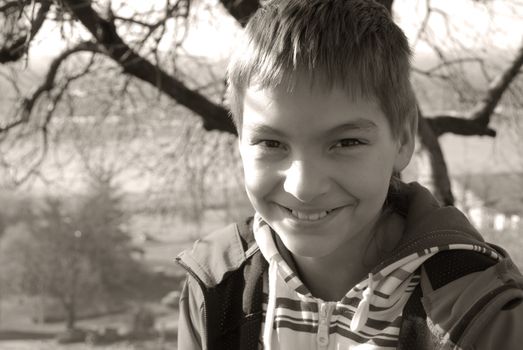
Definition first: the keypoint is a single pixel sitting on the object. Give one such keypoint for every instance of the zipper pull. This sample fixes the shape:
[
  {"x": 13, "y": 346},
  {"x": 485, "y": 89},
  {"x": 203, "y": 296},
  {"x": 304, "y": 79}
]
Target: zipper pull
[{"x": 322, "y": 337}]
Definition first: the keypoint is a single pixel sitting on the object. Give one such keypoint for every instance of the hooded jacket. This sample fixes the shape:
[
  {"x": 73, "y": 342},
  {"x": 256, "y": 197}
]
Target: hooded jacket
[{"x": 468, "y": 298}]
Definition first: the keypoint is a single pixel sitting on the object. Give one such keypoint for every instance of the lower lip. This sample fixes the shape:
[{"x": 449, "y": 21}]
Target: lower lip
[{"x": 293, "y": 220}]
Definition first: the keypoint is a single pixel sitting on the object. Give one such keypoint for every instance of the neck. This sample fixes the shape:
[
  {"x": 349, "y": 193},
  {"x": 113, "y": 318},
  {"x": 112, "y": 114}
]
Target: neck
[
  {"x": 331, "y": 286},
  {"x": 330, "y": 277}
]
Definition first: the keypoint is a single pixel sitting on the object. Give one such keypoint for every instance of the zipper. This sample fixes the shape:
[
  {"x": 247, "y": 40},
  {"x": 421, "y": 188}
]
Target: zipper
[
  {"x": 202, "y": 286},
  {"x": 324, "y": 321}
]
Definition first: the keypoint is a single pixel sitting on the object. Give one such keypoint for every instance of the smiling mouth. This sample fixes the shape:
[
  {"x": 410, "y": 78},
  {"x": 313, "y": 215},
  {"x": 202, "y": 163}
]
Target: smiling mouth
[{"x": 309, "y": 216}]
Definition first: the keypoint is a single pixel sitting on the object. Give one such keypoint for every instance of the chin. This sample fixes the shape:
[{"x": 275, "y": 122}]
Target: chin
[{"x": 306, "y": 248}]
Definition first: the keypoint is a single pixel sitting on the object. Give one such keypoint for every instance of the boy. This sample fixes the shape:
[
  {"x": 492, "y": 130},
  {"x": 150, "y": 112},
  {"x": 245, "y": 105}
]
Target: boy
[{"x": 340, "y": 254}]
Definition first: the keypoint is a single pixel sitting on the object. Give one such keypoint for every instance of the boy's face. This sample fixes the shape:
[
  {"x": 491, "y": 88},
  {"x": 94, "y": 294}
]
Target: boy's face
[{"x": 317, "y": 164}]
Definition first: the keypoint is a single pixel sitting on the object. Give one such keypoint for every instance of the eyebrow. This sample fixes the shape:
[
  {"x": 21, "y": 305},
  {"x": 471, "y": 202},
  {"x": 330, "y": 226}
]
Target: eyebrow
[
  {"x": 262, "y": 129},
  {"x": 357, "y": 125}
]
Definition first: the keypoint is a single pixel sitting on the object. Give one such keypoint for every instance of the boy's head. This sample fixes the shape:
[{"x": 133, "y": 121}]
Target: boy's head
[
  {"x": 321, "y": 96},
  {"x": 352, "y": 44}
]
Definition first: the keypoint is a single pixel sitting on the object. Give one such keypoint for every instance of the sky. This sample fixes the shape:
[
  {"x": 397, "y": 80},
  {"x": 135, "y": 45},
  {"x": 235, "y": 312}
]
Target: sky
[
  {"x": 474, "y": 23},
  {"x": 208, "y": 36},
  {"x": 211, "y": 37}
]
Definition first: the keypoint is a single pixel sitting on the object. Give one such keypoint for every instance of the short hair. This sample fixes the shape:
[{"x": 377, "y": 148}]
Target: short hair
[{"x": 353, "y": 44}]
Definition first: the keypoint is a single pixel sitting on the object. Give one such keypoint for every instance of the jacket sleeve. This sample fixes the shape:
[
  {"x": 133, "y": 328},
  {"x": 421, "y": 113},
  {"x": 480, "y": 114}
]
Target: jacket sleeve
[
  {"x": 191, "y": 322},
  {"x": 504, "y": 332}
]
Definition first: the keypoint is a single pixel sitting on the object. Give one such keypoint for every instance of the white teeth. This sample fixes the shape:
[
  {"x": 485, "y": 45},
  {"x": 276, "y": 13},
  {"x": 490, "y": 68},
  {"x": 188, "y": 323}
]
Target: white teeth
[{"x": 309, "y": 217}]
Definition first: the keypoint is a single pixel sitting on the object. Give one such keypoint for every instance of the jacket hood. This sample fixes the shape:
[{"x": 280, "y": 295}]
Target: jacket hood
[{"x": 428, "y": 224}]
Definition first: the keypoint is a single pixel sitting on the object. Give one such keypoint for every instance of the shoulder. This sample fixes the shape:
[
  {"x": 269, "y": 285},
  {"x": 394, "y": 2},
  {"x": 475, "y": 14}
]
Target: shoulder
[
  {"x": 190, "y": 318},
  {"x": 503, "y": 331},
  {"x": 498, "y": 319},
  {"x": 479, "y": 307},
  {"x": 222, "y": 251}
]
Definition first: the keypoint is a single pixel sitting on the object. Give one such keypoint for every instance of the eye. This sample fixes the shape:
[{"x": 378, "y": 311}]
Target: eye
[
  {"x": 348, "y": 143},
  {"x": 267, "y": 143},
  {"x": 270, "y": 143},
  {"x": 268, "y": 147}
]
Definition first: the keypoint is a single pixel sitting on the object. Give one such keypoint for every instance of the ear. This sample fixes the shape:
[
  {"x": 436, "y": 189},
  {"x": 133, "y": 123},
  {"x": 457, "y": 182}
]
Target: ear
[{"x": 405, "y": 149}]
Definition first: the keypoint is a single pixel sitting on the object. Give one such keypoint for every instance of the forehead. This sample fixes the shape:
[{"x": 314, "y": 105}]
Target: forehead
[{"x": 307, "y": 109}]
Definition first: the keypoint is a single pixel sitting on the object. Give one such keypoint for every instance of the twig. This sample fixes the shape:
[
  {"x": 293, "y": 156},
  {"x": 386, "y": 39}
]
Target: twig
[
  {"x": 19, "y": 47},
  {"x": 476, "y": 121},
  {"x": 48, "y": 84}
]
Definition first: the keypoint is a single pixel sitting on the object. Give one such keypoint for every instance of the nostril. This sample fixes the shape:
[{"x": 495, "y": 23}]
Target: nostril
[{"x": 305, "y": 181}]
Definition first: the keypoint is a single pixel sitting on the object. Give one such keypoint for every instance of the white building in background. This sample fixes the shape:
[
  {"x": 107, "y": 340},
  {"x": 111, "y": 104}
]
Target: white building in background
[
  {"x": 481, "y": 214},
  {"x": 500, "y": 222},
  {"x": 515, "y": 221},
  {"x": 477, "y": 216}
]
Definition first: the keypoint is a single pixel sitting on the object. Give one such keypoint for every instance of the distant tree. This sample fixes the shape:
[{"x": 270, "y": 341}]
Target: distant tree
[
  {"x": 46, "y": 260},
  {"x": 76, "y": 257},
  {"x": 130, "y": 41},
  {"x": 18, "y": 210},
  {"x": 102, "y": 222}
]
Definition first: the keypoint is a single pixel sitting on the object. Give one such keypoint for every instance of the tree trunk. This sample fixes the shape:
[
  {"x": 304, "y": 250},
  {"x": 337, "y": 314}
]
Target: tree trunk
[
  {"x": 70, "y": 315},
  {"x": 440, "y": 177}
]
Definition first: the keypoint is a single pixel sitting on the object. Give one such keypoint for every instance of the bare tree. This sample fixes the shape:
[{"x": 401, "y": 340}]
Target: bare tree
[{"x": 131, "y": 40}]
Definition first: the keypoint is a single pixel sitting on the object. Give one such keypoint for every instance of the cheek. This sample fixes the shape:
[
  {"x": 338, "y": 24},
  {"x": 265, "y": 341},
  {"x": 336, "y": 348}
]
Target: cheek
[
  {"x": 371, "y": 173},
  {"x": 259, "y": 180},
  {"x": 383, "y": 166},
  {"x": 368, "y": 180},
  {"x": 250, "y": 173},
  {"x": 379, "y": 179}
]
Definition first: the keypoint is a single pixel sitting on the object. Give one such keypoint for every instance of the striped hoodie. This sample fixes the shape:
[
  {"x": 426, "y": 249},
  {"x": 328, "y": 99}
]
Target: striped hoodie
[{"x": 367, "y": 317}]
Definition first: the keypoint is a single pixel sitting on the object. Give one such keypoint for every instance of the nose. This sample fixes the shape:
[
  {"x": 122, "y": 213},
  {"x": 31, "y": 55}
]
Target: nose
[{"x": 305, "y": 181}]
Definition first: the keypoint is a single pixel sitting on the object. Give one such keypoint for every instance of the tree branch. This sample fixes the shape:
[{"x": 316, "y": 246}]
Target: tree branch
[
  {"x": 497, "y": 88},
  {"x": 241, "y": 10},
  {"x": 17, "y": 49},
  {"x": 214, "y": 116},
  {"x": 10, "y": 5},
  {"x": 477, "y": 120},
  {"x": 49, "y": 113},
  {"x": 48, "y": 84},
  {"x": 446, "y": 123}
]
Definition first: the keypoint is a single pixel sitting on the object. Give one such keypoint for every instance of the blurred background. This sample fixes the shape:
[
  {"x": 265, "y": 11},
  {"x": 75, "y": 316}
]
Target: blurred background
[{"x": 116, "y": 150}]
